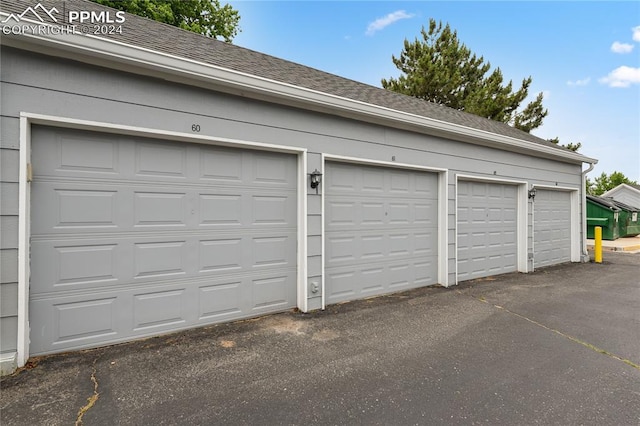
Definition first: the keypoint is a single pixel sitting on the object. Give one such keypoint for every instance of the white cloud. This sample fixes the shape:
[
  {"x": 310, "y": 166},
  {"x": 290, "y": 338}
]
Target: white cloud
[
  {"x": 622, "y": 77},
  {"x": 636, "y": 33},
  {"x": 582, "y": 82},
  {"x": 384, "y": 22},
  {"x": 618, "y": 47}
]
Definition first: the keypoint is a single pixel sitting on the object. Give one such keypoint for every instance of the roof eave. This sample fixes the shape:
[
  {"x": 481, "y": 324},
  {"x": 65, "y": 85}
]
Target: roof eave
[
  {"x": 123, "y": 56},
  {"x": 620, "y": 187}
]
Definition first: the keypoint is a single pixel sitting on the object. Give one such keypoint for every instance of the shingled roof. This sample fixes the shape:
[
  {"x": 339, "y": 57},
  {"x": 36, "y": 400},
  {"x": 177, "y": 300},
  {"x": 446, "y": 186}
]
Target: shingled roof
[{"x": 159, "y": 37}]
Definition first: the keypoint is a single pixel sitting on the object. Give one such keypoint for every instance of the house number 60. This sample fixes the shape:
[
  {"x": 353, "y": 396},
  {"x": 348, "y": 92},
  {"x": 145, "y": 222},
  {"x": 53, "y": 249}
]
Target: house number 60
[{"x": 195, "y": 128}]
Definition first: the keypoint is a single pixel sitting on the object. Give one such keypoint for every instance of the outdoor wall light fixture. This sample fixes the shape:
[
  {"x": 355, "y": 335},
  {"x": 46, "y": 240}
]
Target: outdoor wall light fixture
[
  {"x": 316, "y": 178},
  {"x": 532, "y": 193}
]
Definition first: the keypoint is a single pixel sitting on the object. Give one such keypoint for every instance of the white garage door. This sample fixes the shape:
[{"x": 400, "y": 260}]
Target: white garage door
[
  {"x": 381, "y": 230},
  {"x": 135, "y": 237},
  {"x": 487, "y": 229},
  {"x": 552, "y": 227}
]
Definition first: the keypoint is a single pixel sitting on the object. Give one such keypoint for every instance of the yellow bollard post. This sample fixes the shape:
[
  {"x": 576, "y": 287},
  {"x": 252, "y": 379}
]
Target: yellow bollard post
[{"x": 598, "y": 244}]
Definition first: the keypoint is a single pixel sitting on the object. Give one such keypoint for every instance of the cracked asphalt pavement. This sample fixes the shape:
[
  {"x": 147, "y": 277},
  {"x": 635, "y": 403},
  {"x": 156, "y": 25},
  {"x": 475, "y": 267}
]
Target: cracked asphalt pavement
[{"x": 558, "y": 346}]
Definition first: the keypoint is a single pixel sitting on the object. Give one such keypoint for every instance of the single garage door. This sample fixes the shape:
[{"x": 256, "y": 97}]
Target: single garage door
[
  {"x": 552, "y": 227},
  {"x": 487, "y": 229},
  {"x": 133, "y": 237},
  {"x": 381, "y": 230}
]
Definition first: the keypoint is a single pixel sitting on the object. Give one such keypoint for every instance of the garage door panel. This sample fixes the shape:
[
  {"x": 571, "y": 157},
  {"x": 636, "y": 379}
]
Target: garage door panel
[
  {"x": 346, "y": 248},
  {"x": 67, "y": 207},
  {"x": 160, "y": 160},
  {"x": 399, "y": 213},
  {"x": 372, "y": 214},
  {"x": 220, "y": 301},
  {"x": 70, "y": 321},
  {"x": 270, "y": 293},
  {"x": 423, "y": 244},
  {"x": 365, "y": 280},
  {"x": 155, "y": 237},
  {"x": 78, "y": 154},
  {"x": 272, "y": 210},
  {"x": 81, "y": 263},
  {"x": 364, "y": 213},
  {"x": 159, "y": 259},
  {"x": 71, "y": 265},
  {"x": 159, "y": 309},
  {"x": 552, "y": 227},
  {"x": 91, "y": 155},
  {"x": 487, "y": 229},
  {"x": 270, "y": 251},
  {"x": 372, "y": 180},
  {"x": 341, "y": 180},
  {"x": 363, "y": 246},
  {"x": 425, "y": 214},
  {"x": 343, "y": 213},
  {"x": 220, "y": 209},
  {"x": 221, "y": 166},
  {"x": 57, "y": 207},
  {"x": 160, "y": 208},
  {"x": 399, "y": 245},
  {"x": 380, "y": 230}
]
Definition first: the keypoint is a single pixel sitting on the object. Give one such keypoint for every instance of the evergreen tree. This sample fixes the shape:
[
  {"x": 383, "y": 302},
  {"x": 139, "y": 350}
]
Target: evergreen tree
[
  {"x": 440, "y": 69},
  {"x": 570, "y": 146}
]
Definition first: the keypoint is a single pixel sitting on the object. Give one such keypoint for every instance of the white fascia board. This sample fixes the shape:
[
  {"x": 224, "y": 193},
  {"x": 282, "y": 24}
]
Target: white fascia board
[{"x": 126, "y": 54}]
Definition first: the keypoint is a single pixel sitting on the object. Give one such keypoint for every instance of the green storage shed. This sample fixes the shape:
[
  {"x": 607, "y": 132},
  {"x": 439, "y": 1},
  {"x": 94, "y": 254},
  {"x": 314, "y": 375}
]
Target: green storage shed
[{"x": 603, "y": 212}]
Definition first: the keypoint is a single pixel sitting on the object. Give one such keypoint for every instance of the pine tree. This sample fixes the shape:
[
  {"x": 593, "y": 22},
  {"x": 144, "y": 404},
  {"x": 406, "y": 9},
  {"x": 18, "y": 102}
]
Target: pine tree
[{"x": 440, "y": 69}]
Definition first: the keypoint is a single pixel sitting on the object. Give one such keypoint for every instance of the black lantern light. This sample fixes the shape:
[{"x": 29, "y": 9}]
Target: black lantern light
[
  {"x": 316, "y": 178},
  {"x": 532, "y": 194}
]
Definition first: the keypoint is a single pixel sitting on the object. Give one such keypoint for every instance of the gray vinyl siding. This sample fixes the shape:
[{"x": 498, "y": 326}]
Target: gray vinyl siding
[
  {"x": 45, "y": 85},
  {"x": 314, "y": 235},
  {"x": 9, "y": 156}
]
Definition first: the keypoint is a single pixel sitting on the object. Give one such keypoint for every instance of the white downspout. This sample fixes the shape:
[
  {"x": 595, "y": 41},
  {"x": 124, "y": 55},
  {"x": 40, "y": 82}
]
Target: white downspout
[{"x": 585, "y": 253}]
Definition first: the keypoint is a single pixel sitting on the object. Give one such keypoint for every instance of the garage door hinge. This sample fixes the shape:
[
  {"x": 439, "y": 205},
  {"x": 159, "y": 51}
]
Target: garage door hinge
[{"x": 29, "y": 172}]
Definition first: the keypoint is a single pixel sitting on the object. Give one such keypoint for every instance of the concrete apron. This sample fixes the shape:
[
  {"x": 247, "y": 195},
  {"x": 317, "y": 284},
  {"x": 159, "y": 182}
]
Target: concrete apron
[{"x": 626, "y": 244}]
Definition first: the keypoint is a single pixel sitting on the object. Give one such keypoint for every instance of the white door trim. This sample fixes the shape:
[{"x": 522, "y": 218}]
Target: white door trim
[
  {"x": 24, "y": 188},
  {"x": 521, "y": 226}
]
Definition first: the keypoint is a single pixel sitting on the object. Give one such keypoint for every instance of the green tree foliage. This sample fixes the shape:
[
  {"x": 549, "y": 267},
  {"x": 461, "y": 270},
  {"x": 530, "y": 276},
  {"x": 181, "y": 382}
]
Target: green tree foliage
[
  {"x": 438, "y": 68},
  {"x": 570, "y": 146},
  {"x": 205, "y": 17},
  {"x": 604, "y": 182}
]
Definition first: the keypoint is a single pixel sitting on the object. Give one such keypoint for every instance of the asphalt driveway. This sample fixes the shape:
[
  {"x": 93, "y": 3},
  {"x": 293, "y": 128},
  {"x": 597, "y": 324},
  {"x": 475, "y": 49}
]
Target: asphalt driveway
[{"x": 559, "y": 346}]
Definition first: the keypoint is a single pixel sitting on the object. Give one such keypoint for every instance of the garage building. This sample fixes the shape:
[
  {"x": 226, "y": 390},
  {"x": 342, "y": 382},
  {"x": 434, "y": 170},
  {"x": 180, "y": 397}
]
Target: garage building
[{"x": 157, "y": 180}]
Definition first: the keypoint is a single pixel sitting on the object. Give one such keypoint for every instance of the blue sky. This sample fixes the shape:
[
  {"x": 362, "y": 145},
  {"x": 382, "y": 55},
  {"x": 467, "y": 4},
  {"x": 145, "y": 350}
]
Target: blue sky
[{"x": 584, "y": 56}]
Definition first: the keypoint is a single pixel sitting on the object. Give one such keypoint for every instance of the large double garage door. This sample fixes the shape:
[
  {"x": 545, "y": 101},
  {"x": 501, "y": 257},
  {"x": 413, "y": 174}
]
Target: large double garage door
[
  {"x": 381, "y": 230},
  {"x": 133, "y": 237}
]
